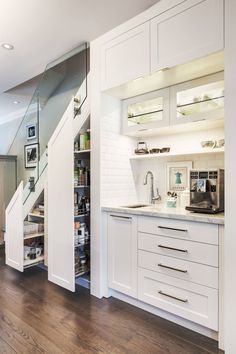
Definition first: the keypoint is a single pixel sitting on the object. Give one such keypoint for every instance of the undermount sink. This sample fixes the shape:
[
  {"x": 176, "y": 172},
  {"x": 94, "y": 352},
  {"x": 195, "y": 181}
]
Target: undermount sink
[
  {"x": 154, "y": 207},
  {"x": 135, "y": 206}
]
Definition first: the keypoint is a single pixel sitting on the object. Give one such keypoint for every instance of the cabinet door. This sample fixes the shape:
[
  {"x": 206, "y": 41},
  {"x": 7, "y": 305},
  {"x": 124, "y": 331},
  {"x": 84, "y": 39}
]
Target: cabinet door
[
  {"x": 196, "y": 100},
  {"x": 122, "y": 253},
  {"x": 126, "y": 57},
  {"x": 60, "y": 204},
  {"x": 15, "y": 231},
  {"x": 146, "y": 111},
  {"x": 194, "y": 302},
  {"x": 191, "y": 30}
]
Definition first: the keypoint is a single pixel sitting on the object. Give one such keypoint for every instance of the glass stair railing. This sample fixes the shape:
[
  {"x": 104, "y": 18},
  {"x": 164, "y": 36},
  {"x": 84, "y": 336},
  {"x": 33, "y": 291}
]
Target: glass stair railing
[{"x": 59, "y": 84}]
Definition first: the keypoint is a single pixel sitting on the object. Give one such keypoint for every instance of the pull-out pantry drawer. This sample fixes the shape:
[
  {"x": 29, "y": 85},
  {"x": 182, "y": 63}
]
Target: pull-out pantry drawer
[
  {"x": 178, "y": 268},
  {"x": 187, "y": 230},
  {"x": 194, "y": 302},
  {"x": 191, "y": 251}
]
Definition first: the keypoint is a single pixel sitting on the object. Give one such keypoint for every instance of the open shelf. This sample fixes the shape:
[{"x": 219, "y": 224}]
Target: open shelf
[
  {"x": 31, "y": 262},
  {"x": 36, "y": 215},
  {"x": 82, "y": 273},
  {"x": 27, "y": 237},
  {"x": 199, "y": 102},
  {"x": 81, "y": 186},
  {"x": 82, "y": 151},
  {"x": 183, "y": 153},
  {"x": 82, "y": 245},
  {"x": 81, "y": 215}
]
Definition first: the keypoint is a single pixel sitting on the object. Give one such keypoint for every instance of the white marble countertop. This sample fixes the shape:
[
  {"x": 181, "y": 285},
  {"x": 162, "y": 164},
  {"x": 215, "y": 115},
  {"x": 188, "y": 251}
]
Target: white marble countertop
[{"x": 169, "y": 213}]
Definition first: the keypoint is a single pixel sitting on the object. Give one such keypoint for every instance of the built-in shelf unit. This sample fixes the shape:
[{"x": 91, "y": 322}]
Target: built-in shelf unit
[
  {"x": 34, "y": 236},
  {"x": 179, "y": 153},
  {"x": 82, "y": 205}
]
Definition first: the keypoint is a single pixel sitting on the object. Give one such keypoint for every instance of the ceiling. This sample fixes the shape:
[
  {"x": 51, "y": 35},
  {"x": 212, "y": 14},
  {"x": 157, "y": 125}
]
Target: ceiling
[{"x": 43, "y": 30}]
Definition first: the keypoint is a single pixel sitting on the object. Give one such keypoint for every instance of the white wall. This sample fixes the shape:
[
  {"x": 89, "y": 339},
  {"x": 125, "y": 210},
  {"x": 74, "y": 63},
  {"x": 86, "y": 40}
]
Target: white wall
[
  {"x": 7, "y": 188},
  {"x": 7, "y": 134},
  {"x": 230, "y": 130}
]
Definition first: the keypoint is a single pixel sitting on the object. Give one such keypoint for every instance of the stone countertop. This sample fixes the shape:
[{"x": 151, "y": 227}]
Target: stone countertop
[{"x": 168, "y": 213}]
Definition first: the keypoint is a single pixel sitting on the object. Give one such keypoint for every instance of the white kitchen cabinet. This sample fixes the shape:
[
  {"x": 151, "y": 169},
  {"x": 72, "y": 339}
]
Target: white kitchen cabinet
[
  {"x": 14, "y": 241},
  {"x": 126, "y": 57},
  {"x": 61, "y": 270},
  {"x": 179, "y": 229},
  {"x": 192, "y": 301},
  {"x": 122, "y": 253},
  {"x": 191, "y": 30},
  {"x": 196, "y": 100},
  {"x": 191, "y": 101},
  {"x": 179, "y": 268},
  {"x": 160, "y": 261},
  {"x": 188, "y": 250},
  {"x": 147, "y": 111}
]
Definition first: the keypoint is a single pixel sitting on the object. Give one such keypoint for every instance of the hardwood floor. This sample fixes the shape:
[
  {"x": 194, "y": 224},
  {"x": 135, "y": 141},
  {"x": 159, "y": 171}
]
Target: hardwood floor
[{"x": 37, "y": 316}]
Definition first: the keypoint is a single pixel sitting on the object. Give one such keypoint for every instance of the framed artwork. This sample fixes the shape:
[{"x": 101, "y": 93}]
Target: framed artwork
[
  {"x": 31, "y": 131},
  {"x": 178, "y": 176},
  {"x": 31, "y": 155}
]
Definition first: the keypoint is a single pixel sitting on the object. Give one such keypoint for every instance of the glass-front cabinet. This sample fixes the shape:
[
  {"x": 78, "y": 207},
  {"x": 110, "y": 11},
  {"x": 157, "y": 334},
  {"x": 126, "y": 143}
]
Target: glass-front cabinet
[
  {"x": 199, "y": 99},
  {"x": 191, "y": 101},
  {"x": 146, "y": 111}
]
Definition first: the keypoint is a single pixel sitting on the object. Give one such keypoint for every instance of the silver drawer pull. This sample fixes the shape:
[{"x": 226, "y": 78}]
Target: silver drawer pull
[
  {"x": 173, "y": 249},
  {"x": 172, "y": 228},
  {"x": 172, "y": 268},
  {"x": 121, "y": 217},
  {"x": 172, "y": 297}
]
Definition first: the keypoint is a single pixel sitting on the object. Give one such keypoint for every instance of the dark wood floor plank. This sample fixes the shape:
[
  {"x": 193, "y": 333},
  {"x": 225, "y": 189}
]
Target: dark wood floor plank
[
  {"x": 37, "y": 316},
  {"x": 121, "y": 331},
  {"x": 5, "y": 348},
  {"x": 22, "y": 337}
]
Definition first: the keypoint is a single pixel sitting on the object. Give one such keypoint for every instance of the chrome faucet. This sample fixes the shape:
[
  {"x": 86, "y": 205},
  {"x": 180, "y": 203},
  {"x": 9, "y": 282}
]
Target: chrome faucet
[{"x": 152, "y": 197}]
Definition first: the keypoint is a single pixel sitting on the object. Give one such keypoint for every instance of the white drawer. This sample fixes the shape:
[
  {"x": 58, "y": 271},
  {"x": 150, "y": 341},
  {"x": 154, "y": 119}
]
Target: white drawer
[
  {"x": 194, "y": 302},
  {"x": 188, "y": 250},
  {"x": 179, "y": 268},
  {"x": 187, "y": 230}
]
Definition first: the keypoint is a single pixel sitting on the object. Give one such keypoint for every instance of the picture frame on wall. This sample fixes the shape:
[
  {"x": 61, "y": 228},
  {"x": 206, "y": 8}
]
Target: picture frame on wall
[
  {"x": 31, "y": 131},
  {"x": 177, "y": 174},
  {"x": 31, "y": 154}
]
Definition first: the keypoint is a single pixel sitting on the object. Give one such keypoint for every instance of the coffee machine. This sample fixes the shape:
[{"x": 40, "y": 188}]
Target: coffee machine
[{"x": 206, "y": 191}]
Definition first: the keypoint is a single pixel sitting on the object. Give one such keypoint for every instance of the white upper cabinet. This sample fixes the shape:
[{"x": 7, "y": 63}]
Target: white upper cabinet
[
  {"x": 126, "y": 57},
  {"x": 147, "y": 111},
  {"x": 199, "y": 99},
  {"x": 191, "y": 30}
]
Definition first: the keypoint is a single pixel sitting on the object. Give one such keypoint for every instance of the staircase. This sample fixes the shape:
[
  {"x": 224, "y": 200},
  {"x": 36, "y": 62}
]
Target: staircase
[{"x": 29, "y": 211}]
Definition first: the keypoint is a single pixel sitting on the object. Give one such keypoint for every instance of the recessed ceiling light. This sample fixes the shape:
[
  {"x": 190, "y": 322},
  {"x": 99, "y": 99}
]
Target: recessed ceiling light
[
  {"x": 7, "y": 46},
  {"x": 16, "y": 102}
]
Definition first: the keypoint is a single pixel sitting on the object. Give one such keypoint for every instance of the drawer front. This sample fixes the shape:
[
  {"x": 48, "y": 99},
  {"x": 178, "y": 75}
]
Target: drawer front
[
  {"x": 187, "y": 230},
  {"x": 194, "y": 302},
  {"x": 191, "y": 251},
  {"x": 179, "y": 268}
]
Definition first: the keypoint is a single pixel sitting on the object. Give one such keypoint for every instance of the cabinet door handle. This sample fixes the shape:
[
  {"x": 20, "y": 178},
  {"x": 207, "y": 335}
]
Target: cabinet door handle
[
  {"x": 172, "y": 228},
  {"x": 172, "y": 297},
  {"x": 121, "y": 217},
  {"x": 173, "y": 249},
  {"x": 172, "y": 268}
]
